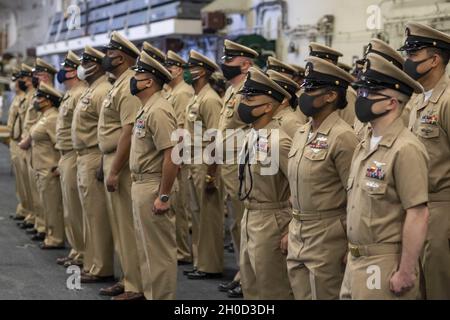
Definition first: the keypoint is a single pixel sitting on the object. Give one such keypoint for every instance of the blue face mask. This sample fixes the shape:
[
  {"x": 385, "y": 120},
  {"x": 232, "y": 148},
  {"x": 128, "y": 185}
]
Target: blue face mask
[{"x": 61, "y": 76}]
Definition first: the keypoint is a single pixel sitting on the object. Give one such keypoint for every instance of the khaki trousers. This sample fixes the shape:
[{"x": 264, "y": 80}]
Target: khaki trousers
[
  {"x": 367, "y": 278},
  {"x": 99, "y": 248},
  {"x": 23, "y": 207},
  {"x": 436, "y": 254},
  {"x": 262, "y": 264},
  {"x": 315, "y": 259},
  {"x": 207, "y": 222},
  {"x": 38, "y": 210},
  {"x": 23, "y": 174},
  {"x": 156, "y": 243},
  {"x": 230, "y": 180},
  {"x": 180, "y": 202},
  {"x": 120, "y": 211},
  {"x": 73, "y": 212},
  {"x": 49, "y": 189}
]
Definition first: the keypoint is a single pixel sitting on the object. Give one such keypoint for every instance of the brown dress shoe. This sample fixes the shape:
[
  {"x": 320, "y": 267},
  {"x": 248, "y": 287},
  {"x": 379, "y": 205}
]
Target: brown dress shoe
[
  {"x": 61, "y": 261},
  {"x": 89, "y": 278},
  {"x": 113, "y": 291},
  {"x": 129, "y": 296}
]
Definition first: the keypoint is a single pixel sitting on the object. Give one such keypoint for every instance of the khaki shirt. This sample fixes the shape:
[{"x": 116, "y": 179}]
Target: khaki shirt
[
  {"x": 430, "y": 122},
  {"x": 273, "y": 187},
  {"x": 319, "y": 165},
  {"x": 15, "y": 116},
  {"x": 383, "y": 184},
  {"x": 289, "y": 120},
  {"x": 43, "y": 135},
  {"x": 31, "y": 115},
  {"x": 204, "y": 108},
  {"x": 65, "y": 117},
  {"x": 87, "y": 113},
  {"x": 229, "y": 118},
  {"x": 179, "y": 97},
  {"x": 118, "y": 109},
  {"x": 152, "y": 132},
  {"x": 348, "y": 113}
]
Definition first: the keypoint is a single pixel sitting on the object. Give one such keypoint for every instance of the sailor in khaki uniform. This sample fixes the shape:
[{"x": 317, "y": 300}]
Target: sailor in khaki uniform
[
  {"x": 14, "y": 125},
  {"x": 98, "y": 255},
  {"x": 319, "y": 163},
  {"x": 237, "y": 60},
  {"x": 384, "y": 50},
  {"x": 264, "y": 188},
  {"x": 154, "y": 52},
  {"x": 180, "y": 95},
  {"x": 299, "y": 74},
  {"x": 331, "y": 55},
  {"x": 428, "y": 52},
  {"x": 202, "y": 114},
  {"x": 153, "y": 173},
  {"x": 117, "y": 115},
  {"x": 347, "y": 68},
  {"x": 287, "y": 114},
  {"x": 45, "y": 159},
  {"x": 67, "y": 166},
  {"x": 24, "y": 84},
  {"x": 42, "y": 72},
  {"x": 387, "y": 188},
  {"x": 279, "y": 66},
  {"x": 219, "y": 83}
]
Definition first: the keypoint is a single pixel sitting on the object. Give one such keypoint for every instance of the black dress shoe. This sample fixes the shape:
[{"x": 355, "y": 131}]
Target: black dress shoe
[
  {"x": 31, "y": 231},
  {"x": 200, "y": 275},
  {"x": 40, "y": 236},
  {"x": 187, "y": 271},
  {"x": 25, "y": 225},
  {"x": 226, "y": 286},
  {"x": 17, "y": 218},
  {"x": 44, "y": 246},
  {"x": 236, "y": 292}
]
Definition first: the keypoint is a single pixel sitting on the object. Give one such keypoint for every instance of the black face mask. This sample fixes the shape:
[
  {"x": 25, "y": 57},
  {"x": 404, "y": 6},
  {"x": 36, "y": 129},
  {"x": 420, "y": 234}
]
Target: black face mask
[
  {"x": 35, "y": 82},
  {"x": 61, "y": 76},
  {"x": 22, "y": 85},
  {"x": 107, "y": 63},
  {"x": 306, "y": 103},
  {"x": 294, "y": 101},
  {"x": 363, "y": 109},
  {"x": 133, "y": 86},
  {"x": 37, "y": 106},
  {"x": 410, "y": 67},
  {"x": 230, "y": 72},
  {"x": 245, "y": 113}
]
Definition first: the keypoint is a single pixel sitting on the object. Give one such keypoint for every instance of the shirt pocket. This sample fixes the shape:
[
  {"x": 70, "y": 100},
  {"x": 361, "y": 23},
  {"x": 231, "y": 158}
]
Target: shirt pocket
[
  {"x": 374, "y": 188},
  {"x": 318, "y": 155},
  {"x": 428, "y": 131}
]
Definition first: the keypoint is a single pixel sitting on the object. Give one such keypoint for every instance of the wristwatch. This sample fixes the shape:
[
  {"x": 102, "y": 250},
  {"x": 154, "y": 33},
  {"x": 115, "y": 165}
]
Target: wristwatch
[{"x": 164, "y": 198}]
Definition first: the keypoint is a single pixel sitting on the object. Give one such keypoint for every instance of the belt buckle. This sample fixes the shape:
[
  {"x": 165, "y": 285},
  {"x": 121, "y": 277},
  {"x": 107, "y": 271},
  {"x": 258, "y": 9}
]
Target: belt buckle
[{"x": 354, "y": 250}]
